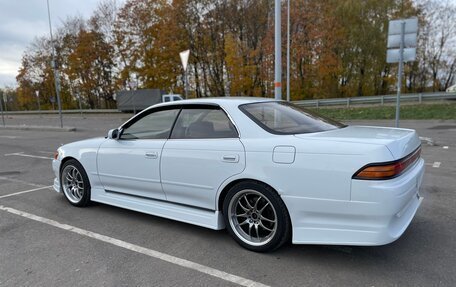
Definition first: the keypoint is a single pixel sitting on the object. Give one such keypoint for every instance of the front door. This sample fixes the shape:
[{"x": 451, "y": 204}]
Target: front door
[{"x": 130, "y": 165}]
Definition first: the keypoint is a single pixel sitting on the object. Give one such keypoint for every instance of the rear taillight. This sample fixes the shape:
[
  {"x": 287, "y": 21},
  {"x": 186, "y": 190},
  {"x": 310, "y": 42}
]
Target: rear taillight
[{"x": 387, "y": 170}]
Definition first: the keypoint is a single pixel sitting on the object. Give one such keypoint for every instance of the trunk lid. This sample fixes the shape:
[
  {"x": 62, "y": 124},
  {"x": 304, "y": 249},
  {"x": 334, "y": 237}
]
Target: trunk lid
[{"x": 400, "y": 142}]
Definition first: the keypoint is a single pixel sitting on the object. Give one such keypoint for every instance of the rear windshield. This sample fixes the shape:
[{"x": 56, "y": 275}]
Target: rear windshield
[{"x": 286, "y": 118}]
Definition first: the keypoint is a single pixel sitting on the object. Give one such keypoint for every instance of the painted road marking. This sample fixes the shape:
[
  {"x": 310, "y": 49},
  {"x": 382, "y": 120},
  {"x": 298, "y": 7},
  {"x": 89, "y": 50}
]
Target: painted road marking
[
  {"x": 25, "y": 191},
  {"x": 27, "y": 155},
  {"x": 142, "y": 250},
  {"x": 9, "y": 137},
  {"x": 436, "y": 164},
  {"x": 20, "y": 181},
  {"x": 429, "y": 141},
  {"x": 445, "y": 147}
]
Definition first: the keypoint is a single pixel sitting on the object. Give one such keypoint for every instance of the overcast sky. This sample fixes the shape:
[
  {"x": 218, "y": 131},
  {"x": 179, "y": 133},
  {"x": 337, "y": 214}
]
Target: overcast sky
[{"x": 23, "y": 20}]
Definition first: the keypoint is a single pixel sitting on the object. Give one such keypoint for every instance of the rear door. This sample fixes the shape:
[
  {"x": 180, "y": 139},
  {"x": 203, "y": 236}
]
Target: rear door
[{"x": 203, "y": 151}]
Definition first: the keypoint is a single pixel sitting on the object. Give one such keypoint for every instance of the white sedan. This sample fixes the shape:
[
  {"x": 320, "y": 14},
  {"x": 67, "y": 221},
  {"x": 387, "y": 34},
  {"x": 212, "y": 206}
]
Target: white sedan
[{"x": 266, "y": 170}]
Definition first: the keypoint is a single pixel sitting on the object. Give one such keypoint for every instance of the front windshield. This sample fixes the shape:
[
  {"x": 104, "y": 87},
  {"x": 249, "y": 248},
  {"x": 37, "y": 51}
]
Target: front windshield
[{"x": 286, "y": 118}]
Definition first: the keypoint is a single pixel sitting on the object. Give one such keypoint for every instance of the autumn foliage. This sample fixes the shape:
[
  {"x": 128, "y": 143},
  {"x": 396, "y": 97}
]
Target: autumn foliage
[{"x": 338, "y": 49}]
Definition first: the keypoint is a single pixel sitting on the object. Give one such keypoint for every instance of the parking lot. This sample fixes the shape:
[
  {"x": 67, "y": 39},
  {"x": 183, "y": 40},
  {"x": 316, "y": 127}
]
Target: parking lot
[{"x": 44, "y": 241}]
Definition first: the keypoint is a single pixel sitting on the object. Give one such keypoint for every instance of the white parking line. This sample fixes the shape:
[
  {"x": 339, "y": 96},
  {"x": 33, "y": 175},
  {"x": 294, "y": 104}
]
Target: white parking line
[
  {"x": 136, "y": 248},
  {"x": 436, "y": 164},
  {"x": 20, "y": 181},
  {"x": 445, "y": 147},
  {"x": 25, "y": 191},
  {"x": 27, "y": 155}
]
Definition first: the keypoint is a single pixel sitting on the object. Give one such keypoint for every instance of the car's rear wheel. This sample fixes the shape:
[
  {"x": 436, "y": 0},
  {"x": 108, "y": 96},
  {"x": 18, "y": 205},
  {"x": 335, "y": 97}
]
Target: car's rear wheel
[
  {"x": 256, "y": 216},
  {"x": 75, "y": 183}
]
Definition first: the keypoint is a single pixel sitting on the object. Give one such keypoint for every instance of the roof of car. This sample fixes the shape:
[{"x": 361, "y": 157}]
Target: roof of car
[{"x": 220, "y": 100}]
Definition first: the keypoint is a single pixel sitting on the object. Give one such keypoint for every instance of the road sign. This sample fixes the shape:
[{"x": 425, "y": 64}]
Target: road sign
[
  {"x": 407, "y": 39},
  {"x": 402, "y": 35},
  {"x": 393, "y": 55},
  {"x": 184, "y": 58},
  {"x": 394, "y": 41},
  {"x": 411, "y": 26}
]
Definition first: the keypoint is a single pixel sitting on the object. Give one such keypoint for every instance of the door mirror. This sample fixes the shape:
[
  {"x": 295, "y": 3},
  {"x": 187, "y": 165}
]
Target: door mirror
[{"x": 113, "y": 134}]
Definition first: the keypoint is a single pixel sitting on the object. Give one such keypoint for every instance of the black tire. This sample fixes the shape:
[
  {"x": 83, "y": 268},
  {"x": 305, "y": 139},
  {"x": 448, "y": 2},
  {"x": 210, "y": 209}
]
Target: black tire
[
  {"x": 83, "y": 195},
  {"x": 251, "y": 194}
]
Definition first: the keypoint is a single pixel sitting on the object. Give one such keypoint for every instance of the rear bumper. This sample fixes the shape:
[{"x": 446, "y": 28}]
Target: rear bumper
[{"x": 378, "y": 213}]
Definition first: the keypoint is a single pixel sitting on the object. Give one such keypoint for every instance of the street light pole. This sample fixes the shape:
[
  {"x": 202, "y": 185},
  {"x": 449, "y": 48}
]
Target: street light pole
[
  {"x": 278, "y": 52},
  {"x": 55, "y": 66},
  {"x": 78, "y": 94},
  {"x": 288, "y": 50}
]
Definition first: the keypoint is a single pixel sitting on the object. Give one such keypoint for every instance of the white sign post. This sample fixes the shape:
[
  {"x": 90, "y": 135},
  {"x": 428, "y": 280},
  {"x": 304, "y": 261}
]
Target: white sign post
[
  {"x": 37, "y": 93},
  {"x": 184, "y": 58},
  {"x": 1, "y": 108},
  {"x": 401, "y": 46}
]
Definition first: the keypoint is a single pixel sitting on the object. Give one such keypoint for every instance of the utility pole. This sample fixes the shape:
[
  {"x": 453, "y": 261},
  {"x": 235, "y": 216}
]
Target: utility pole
[
  {"x": 78, "y": 94},
  {"x": 55, "y": 67},
  {"x": 288, "y": 50},
  {"x": 278, "y": 52}
]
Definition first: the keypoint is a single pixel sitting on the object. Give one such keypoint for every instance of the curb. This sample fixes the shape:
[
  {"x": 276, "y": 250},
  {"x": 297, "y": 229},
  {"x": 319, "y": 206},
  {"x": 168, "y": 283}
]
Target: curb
[{"x": 39, "y": 128}]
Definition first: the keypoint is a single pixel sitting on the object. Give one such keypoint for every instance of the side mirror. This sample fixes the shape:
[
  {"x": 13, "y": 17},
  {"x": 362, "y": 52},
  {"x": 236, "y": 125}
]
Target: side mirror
[{"x": 113, "y": 134}]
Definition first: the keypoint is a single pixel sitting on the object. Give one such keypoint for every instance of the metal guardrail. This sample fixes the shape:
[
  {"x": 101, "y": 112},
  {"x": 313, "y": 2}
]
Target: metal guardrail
[
  {"x": 306, "y": 103},
  {"x": 56, "y": 112},
  {"x": 421, "y": 97}
]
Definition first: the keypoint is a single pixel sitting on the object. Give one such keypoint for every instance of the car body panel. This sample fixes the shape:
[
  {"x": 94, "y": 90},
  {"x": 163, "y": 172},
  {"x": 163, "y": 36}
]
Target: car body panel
[
  {"x": 84, "y": 151},
  {"x": 378, "y": 213},
  {"x": 400, "y": 142},
  {"x": 311, "y": 172},
  {"x": 193, "y": 169},
  {"x": 131, "y": 167}
]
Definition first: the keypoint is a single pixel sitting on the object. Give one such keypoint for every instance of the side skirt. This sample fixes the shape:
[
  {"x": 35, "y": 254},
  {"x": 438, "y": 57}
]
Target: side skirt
[{"x": 201, "y": 217}]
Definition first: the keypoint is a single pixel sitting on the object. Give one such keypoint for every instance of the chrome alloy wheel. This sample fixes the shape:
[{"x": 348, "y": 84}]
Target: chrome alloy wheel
[
  {"x": 72, "y": 183},
  {"x": 252, "y": 217}
]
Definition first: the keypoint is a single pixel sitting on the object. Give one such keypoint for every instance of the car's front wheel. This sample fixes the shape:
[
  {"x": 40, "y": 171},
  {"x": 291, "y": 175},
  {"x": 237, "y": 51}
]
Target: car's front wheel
[
  {"x": 256, "y": 216},
  {"x": 75, "y": 183}
]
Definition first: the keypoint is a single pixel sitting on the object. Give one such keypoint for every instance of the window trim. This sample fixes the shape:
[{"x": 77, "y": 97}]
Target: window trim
[
  {"x": 274, "y": 132},
  {"x": 145, "y": 113},
  {"x": 208, "y": 106}
]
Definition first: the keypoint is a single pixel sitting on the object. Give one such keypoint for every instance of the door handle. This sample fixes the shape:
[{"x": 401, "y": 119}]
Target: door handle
[
  {"x": 152, "y": 155},
  {"x": 230, "y": 158}
]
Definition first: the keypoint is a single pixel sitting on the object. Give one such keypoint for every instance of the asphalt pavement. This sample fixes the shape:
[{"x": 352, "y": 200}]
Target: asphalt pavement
[{"x": 44, "y": 241}]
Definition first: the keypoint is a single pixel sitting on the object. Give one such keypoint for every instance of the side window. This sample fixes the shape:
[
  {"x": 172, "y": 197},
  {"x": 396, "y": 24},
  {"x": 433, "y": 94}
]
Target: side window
[
  {"x": 203, "y": 123},
  {"x": 156, "y": 125}
]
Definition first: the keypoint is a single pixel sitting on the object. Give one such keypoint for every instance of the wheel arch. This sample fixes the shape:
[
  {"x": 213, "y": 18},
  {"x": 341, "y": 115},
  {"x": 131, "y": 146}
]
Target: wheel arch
[
  {"x": 64, "y": 160},
  {"x": 232, "y": 183}
]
